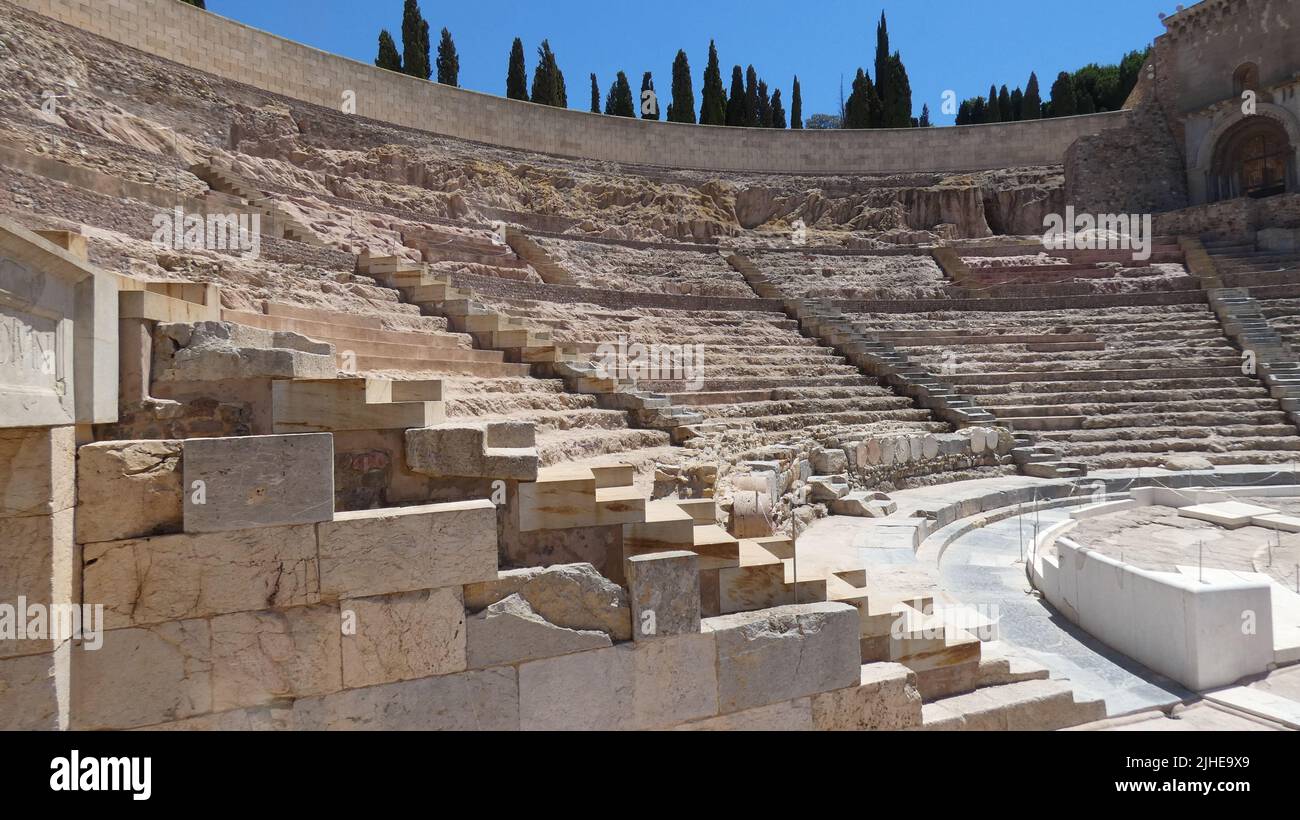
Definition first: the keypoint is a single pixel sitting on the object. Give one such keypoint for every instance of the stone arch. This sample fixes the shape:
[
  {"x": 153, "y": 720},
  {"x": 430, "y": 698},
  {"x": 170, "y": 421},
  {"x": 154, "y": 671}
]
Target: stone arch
[
  {"x": 1245, "y": 78},
  {"x": 1242, "y": 154}
]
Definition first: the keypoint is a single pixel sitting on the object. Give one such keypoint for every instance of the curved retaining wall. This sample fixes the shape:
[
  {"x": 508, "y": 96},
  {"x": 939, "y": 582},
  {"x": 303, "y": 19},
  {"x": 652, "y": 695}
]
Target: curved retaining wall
[{"x": 207, "y": 42}]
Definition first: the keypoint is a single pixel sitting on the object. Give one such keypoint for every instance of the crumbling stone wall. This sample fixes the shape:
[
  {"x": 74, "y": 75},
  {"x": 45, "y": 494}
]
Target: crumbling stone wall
[{"x": 1136, "y": 169}]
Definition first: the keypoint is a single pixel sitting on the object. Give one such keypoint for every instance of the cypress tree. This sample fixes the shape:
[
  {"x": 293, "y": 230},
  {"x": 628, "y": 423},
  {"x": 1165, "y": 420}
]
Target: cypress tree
[
  {"x": 415, "y": 41},
  {"x": 548, "y": 80},
  {"x": 682, "y": 108},
  {"x": 992, "y": 113},
  {"x": 1017, "y": 104},
  {"x": 778, "y": 111},
  {"x": 595, "y": 95},
  {"x": 1032, "y": 107},
  {"x": 751, "y": 97},
  {"x": 884, "y": 84},
  {"x": 796, "y": 106},
  {"x": 649, "y": 106},
  {"x": 763, "y": 118},
  {"x": 448, "y": 62},
  {"x": 978, "y": 112},
  {"x": 517, "y": 74},
  {"x": 1005, "y": 113},
  {"x": 901, "y": 91},
  {"x": 924, "y": 122},
  {"x": 1085, "y": 104},
  {"x": 388, "y": 57},
  {"x": 964, "y": 113},
  {"x": 863, "y": 106},
  {"x": 736, "y": 102},
  {"x": 1064, "y": 103},
  {"x": 618, "y": 102},
  {"x": 713, "y": 106}
]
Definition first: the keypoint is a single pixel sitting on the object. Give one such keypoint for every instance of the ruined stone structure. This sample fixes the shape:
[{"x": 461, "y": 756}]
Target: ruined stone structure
[{"x": 463, "y": 413}]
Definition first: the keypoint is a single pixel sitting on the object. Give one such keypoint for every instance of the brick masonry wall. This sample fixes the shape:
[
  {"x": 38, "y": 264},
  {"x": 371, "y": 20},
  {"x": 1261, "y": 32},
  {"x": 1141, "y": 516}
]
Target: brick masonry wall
[{"x": 204, "y": 41}]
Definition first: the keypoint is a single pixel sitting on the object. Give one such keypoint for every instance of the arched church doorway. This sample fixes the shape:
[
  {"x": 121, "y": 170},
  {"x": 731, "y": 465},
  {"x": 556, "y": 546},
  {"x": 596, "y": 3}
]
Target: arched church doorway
[{"x": 1254, "y": 159}]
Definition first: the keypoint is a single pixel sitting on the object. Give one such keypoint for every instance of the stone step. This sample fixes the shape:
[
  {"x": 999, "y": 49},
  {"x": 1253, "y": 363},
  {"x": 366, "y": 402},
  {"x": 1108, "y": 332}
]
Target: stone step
[
  {"x": 432, "y": 364},
  {"x": 1030, "y": 705}
]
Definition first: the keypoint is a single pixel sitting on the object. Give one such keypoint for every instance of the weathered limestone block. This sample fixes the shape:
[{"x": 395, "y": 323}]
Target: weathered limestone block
[
  {"x": 257, "y": 481},
  {"x": 275, "y": 718},
  {"x": 864, "y": 504},
  {"x": 929, "y": 447},
  {"x": 655, "y": 684},
  {"x": 128, "y": 489},
  {"x": 902, "y": 450},
  {"x": 171, "y": 577},
  {"x": 828, "y": 487},
  {"x": 216, "y": 351},
  {"x": 38, "y": 562},
  {"x": 885, "y": 698},
  {"x": 30, "y": 697},
  {"x": 503, "y": 450},
  {"x": 403, "y": 636},
  {"x": 36, "y": 470},
  {"x": 784, "y": 653},
  {"x": 572, "y": 596},
  {"x": 751, "y": 514},
  {"x": 915, "y": 448},
  {"x": 786, "y": 716},
  {"x": 664, "y": 589},
  {"x": 510, "y": 631},
  {"x": 829, "y": 461},
  {"x": 375, "y": 552},
  {"x": 486, "y": 700},
  {"x": 143, "y": 675},
  {"x": 259, "y": 657}
]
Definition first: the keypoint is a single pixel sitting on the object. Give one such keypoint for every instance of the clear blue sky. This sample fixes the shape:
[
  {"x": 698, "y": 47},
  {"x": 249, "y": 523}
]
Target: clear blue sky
[{"x": 963, "y": 45}]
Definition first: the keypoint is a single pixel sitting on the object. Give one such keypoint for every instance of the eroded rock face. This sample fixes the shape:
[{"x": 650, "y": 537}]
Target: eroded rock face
[{"x": 572, "y": 596}]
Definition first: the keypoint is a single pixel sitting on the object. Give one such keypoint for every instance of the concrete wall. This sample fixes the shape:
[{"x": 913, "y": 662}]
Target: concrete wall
[
  {"x": 1174, "y": 625},
  {"x": 204, "y": 41}
]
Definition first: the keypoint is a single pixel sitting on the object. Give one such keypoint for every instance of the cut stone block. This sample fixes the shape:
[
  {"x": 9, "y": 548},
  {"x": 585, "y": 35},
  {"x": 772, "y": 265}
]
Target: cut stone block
[
  {"x": 828, "y": 487},
  {"x": 664, "y": 589},
  {"x": 33, "y": 691},
  {"x": 510, "y": 631},
  {"x": 1228, "y": 514},
  {"x": 785, "y": 653},
  {"x": 257, "y": 481},
  {"x": 128, "y": 489},
  {"x": 573, "y": 596},
  {"x": 39, "y": 562},
  {"x": 217, "y": 351},
  {"x": 36, "y": 470},
  {"x": 828, "y": 462},
  {"x": 486, "y": 700},
  {"x": 787, "y": 716},
  {"x": 143, "y": 675},
  {"x": 276, "y": 718},
  {"x": 863, "y": 504},
  {"x": 172, "y": 577},
  {"x": 58, "y": 324},
  {"x": 656, "y": 684},
  {"x": 403, "y": 636},
  {"x": 885, "y": 698},
  {"x": 260, "y": 657},
  {"x": 504, "y": 450},
  {"x": 376, "y": 552},
  {"x": 1277, "y": 521}
]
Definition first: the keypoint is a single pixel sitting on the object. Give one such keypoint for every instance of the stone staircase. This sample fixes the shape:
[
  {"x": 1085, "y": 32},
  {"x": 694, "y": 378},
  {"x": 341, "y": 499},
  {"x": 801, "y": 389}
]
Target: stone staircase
[
  {"x": 1166, "y": 382},
  {"x": 523, "y": 343},
  {"x": 221, "y": 177},
  {"x": 1275, "y": 362},
  {"x": 363, "y": 345}
]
